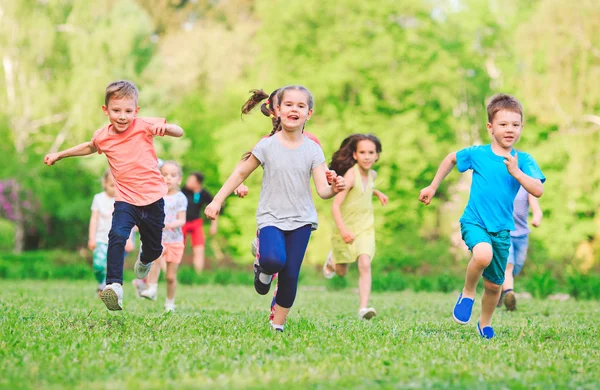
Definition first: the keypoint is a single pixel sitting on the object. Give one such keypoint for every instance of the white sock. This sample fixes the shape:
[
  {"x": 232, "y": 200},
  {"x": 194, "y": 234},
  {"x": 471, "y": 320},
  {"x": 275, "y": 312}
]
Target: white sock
[
  {"x": 153, "y": 287},
  {"x": 265, "y": 278},
  {"x": 170, "y": 302},
  {"x": 275, "y": 327}
]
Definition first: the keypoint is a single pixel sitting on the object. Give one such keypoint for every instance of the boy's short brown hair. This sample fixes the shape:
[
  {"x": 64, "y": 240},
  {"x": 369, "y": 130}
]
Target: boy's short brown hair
[
  {"x": 503, "y": 102},
  {"x": 120, "y": 89}
]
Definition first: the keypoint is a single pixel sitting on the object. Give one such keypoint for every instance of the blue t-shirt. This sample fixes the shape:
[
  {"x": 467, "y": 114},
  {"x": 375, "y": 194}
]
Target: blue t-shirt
[{"x": 493, "y": 189}]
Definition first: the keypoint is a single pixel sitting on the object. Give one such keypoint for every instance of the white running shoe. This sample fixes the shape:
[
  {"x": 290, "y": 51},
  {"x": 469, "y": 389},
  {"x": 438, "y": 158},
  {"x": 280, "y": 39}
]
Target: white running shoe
[
  {"x": 141, "y": 270},
  {"x": 139, "y": 285},
  {"x": 169, "y": 307},
  {"x": 112, "y": 296},
  {"x": 327, "y": 272},
  {"x": 366, "y": 313},
  {"x": 149, "y": 293}
]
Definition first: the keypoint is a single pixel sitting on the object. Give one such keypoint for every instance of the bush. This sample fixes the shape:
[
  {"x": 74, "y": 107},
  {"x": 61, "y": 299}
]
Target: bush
[
  {"x": 584, "y": 286},
  {"x": 7, "y": 235},
  {"x": 541, "y": 285}
]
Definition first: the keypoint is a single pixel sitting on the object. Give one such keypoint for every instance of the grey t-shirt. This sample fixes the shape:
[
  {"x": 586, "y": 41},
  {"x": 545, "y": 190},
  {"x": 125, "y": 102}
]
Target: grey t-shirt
[{"x": 285, "y": 197}]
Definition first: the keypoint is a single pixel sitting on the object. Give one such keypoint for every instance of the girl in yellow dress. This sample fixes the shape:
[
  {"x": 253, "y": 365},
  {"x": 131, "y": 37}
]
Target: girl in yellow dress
[{"x": 352, "y": 211}]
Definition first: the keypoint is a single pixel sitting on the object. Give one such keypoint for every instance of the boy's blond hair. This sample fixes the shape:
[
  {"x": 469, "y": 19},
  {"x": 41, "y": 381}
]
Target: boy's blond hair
[
  {"x": 503, "y": 102},
  {"x": 119, "y": 90}
]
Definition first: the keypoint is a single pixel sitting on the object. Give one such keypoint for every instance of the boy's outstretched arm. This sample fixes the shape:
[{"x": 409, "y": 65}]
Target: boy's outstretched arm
[
  {"x": 445, "y": 168},
  {"x": 83, "y": 149},
  {"x": 162, "y": 129}
]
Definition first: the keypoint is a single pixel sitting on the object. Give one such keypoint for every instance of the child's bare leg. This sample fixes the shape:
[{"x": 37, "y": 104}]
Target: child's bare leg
[
  {"x": 281, "y": 314},
  {"x": 364, "y": 280},
  {"x": 341, "y": 270},
  {"x": 509, "y": 280},
  {"x": 491, "y": 294},
  {"x": 198, "y": 258},
  {"x": 171, "y": 280},
  {"x": 154, "y": 273},
  {"x": 482, "y": 256}
]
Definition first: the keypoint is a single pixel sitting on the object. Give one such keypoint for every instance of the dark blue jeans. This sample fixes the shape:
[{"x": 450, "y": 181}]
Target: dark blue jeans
[
  {"x": 150, "y": 221},
  {"x": 282, "y": 252}
]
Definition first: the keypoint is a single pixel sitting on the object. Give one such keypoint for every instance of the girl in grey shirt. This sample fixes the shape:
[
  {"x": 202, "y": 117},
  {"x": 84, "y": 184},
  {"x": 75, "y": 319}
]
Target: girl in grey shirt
[{"x": 286, "y": 214}]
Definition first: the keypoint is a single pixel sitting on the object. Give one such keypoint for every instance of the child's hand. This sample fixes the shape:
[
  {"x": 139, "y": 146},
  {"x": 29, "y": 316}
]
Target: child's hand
[
  {"x": 51, "y": 158},
  {"x": 330, "y": 175},
  {"x": 129, "y": 246},
  {"x": 512, "y": 164},
  {"x": 382, "y": 198},
  {"x": 536, "y": 220},
  {"x": 347, "y": 237},
  {"x": 241, "y": 191},
  {"x": 212, "y": 210},
  {"x": 338, "y": 183},
  {"x": 91, "y": 244},
  {"x": 426, "y": 195},
  {"x": 159, "y": 129}
]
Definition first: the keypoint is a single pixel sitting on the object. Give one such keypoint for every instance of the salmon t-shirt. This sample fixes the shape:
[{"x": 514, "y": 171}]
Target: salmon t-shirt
[{"x": 132, "y": 160}]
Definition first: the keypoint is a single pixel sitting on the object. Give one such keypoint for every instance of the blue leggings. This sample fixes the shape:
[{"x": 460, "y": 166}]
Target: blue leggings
[{"x": 282, "y": 252}]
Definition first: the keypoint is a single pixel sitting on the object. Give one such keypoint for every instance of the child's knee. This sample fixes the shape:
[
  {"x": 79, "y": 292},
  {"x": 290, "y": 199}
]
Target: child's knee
[
  {"x": 364, "y": 264},
  {"x": 118, "y": 236},
  {"x": 171, "y": 279},
  {"x": 491, "y": 287},
  {"x": 483, "y": 253},
  {"x": 341, "y": 269},
  {"x": 271, "y": 263}
]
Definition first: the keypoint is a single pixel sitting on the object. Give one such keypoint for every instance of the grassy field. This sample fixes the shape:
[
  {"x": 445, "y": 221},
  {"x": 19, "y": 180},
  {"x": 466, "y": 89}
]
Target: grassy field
[{"x": 59, "y": 335}]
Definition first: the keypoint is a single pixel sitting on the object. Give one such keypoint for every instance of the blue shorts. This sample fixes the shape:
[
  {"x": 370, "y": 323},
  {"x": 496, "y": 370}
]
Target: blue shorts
[
  {"x": 500, "y": 241},
  {"x": 518, "y": 252}
]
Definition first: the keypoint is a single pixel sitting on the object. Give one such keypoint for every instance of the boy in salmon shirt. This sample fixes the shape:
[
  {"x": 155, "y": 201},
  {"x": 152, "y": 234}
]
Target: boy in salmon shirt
[{"x": 128, "y": 145}]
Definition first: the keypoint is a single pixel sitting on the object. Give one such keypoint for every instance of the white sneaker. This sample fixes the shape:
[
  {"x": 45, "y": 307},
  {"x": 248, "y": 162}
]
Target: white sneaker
[
  {"x": 169, "y": 307},
  {"x": 327, "y": 272},
  {"x": 112, "y": 296},
  {"x": 141, "y": 270},
  {"x": 139, "y": 285},
  {"x": 254, "y": 247},
  {"x": 149, "y": 293},
  {"x": 366, "y": 313}
]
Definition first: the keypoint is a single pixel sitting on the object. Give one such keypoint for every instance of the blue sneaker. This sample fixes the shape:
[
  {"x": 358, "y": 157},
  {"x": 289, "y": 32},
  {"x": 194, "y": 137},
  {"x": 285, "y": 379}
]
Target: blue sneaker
[
  {"x": 487, "y": 332},
  {"x": 462, "y": 310}
]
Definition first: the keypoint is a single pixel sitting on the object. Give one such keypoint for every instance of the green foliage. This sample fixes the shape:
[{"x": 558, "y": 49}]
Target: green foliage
[
  {"x": 584, "y": 286},
  {"x": 540, "y": 285},
  {"x": 7, "y": 231},
  {"x": 416, "y": 74}
]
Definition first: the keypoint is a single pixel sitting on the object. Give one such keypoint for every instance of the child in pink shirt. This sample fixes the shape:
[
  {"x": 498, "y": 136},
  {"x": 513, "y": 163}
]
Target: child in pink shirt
[{"x": 127, "y": 142}]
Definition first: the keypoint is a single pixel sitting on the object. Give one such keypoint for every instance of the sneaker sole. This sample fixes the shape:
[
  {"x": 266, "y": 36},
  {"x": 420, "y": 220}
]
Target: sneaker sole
[
  {"x": 368, "y": 315},
  {"x": 148, "y": 298},
  {"x": 459, "y": 321},
  {"x": 510, "y": 301},
  {"x": 111, "y": 300}
]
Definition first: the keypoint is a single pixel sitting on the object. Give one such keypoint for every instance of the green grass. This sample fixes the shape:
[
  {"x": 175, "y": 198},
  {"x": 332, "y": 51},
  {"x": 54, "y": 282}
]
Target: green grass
[{"x": 58, "y": 335}]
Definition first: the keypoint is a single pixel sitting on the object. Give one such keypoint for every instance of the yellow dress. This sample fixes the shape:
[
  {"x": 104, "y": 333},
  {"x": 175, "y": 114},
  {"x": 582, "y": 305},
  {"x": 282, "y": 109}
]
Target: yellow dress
[{"x": 357, "y": 214}]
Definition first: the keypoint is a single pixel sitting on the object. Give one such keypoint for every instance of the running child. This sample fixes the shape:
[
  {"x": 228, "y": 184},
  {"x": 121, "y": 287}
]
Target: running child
[
  {"x": 172, "y": 236},
  {"x": 100, "y": 221},
  {"x": 197, "y": 199},
  {"x": 269, "y": 109},
  {"x": 498, "y": 172},
  {"x": 352, "y": 211},
  {"x": 286, "y": 213},
  {"x": 127, "y": 142},
  {"x": 519, "y": 242}
]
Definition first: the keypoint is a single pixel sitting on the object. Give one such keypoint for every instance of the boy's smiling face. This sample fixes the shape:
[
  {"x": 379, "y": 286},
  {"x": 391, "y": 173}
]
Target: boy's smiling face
[
  {"x": 505, "y": 128},
  {"x": 121, "y": 112}
]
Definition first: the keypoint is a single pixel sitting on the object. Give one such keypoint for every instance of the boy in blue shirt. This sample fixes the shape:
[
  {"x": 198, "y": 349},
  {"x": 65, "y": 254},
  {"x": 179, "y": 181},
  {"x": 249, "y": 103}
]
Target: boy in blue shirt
[{"x": 498, "y": 173}]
